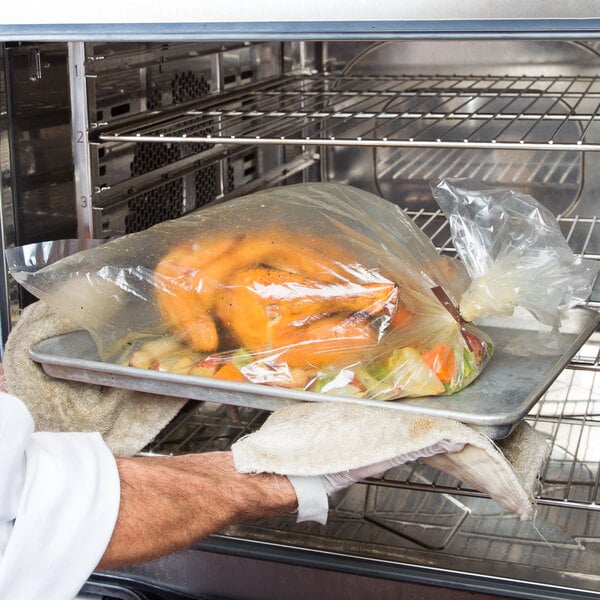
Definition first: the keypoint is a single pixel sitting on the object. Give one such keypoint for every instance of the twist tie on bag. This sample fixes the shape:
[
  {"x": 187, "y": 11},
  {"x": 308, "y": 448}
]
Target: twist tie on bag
[{"x": 444, "y": 299}]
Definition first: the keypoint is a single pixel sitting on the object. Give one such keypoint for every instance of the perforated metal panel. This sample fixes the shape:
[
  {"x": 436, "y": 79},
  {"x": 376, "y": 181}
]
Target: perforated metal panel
[
  {"x": 172, "y": 199},
  {"x": 188, "y": 86}
]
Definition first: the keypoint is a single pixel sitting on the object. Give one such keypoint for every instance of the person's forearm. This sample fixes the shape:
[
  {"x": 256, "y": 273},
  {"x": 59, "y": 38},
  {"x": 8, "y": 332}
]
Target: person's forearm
[{"x": 167, "y": 503}]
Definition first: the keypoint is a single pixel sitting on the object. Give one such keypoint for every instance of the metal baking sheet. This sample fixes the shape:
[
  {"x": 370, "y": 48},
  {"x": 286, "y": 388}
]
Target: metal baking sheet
[{"x": 522, "y": 368}]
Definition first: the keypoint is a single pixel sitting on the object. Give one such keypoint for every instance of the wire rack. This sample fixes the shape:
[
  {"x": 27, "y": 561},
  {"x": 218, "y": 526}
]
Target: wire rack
[
  {"x": 425, "y": 164},
  {"x": 466, "y": 111}
]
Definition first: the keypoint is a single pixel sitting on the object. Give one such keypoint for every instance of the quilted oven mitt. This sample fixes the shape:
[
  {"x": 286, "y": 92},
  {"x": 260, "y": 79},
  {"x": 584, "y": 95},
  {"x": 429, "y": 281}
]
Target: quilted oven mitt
[
  {"x": 325, "y": 447},
  {"x": 127, "y": 420}
]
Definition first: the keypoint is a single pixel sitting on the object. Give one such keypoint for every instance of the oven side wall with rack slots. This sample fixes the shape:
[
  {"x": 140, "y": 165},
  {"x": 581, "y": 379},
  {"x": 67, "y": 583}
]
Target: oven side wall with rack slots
[
  {"x": 126, "y": 183},
  {"x": 159, "y": 129}
]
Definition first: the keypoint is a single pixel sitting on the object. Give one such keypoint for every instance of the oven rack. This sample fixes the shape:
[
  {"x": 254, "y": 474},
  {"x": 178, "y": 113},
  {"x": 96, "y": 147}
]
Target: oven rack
[
  {"x": 540, "y": 168},
  {"x": 582, "y": 233},
  {"x": 447, "y": 111}
]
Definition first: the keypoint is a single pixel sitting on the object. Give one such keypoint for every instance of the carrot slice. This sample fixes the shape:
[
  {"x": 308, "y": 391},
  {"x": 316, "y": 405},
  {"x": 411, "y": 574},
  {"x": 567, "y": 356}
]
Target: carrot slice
[
  {"x": 440, "y": 359},
  {"x": 229, "y": 373}
]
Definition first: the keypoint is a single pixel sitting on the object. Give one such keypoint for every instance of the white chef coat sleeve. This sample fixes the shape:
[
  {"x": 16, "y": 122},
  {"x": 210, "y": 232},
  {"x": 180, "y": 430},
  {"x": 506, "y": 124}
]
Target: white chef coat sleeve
[{"x": 59, "y": 500}]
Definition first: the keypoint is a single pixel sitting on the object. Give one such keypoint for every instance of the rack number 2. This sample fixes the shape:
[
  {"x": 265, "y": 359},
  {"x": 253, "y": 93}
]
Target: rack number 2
[{"x": 80, "y": 138}]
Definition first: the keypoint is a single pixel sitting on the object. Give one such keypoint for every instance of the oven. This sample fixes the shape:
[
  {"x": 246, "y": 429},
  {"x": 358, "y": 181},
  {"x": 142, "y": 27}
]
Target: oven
[{"x": 108, "y": 128}]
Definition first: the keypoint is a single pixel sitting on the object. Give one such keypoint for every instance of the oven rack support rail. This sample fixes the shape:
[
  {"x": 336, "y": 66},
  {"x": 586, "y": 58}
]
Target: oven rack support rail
[{"x": 459, "y": 111}]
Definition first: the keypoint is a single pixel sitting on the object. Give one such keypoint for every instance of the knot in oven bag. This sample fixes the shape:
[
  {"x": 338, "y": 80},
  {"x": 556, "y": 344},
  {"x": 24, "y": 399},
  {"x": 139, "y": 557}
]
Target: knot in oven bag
[
  {"x": 514, "y": 251},
  {"x": 319, "y": 287}
]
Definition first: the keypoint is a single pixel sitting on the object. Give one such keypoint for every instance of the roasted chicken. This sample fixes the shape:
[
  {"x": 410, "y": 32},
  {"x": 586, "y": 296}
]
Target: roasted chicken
[{"x": 270, "y": 292}]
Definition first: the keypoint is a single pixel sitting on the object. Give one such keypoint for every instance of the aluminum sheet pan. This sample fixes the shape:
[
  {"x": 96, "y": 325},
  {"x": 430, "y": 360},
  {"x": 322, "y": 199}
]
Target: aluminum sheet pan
[{"x": 521, "y": 370}]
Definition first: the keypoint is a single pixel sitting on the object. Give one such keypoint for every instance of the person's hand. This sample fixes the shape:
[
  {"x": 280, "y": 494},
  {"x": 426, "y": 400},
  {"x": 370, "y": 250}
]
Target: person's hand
[{"x": 312, "y": 492}]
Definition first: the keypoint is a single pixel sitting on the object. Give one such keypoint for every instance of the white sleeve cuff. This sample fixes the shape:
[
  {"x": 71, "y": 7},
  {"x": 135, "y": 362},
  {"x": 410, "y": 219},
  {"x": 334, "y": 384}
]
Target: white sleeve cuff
[
  {"x": 313, "y": 504},
  {"x": 65, "y": 517}
]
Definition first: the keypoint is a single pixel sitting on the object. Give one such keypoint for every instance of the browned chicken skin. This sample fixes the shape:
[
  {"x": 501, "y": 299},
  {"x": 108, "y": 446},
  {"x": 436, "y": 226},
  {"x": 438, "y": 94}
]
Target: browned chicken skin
[
  {"x": 272, "y": 291},
  {"x": 269, "y": 308}
]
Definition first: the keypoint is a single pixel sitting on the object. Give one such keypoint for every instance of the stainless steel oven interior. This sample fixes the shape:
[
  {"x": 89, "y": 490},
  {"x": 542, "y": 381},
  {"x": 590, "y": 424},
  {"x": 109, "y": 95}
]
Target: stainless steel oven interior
[{"x": 160, "y": 129}]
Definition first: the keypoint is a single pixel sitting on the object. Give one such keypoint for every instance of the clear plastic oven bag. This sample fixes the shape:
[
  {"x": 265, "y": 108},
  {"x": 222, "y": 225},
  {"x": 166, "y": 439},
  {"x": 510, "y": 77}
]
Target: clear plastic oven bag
[{"x": 319, "y": 287}]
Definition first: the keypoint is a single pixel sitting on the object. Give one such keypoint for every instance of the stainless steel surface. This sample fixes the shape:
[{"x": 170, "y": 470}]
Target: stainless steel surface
[
  {"x": 263, "y": 19},
  {"x": 36, "y": 167},
  {"x": 81, "y": 149},
  {"x": 260, "y": 574},
  {"x": 7, "y": 216},
  {"x": 40, "y": 142},
  {"x": 235, "y": 15}
]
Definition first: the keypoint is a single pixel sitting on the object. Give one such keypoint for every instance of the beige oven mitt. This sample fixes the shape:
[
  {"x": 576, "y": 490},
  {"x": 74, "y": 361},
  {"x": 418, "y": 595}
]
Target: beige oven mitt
[
  {"x": 343, "y": 442},
  {"x": 127, "y": 420}
]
